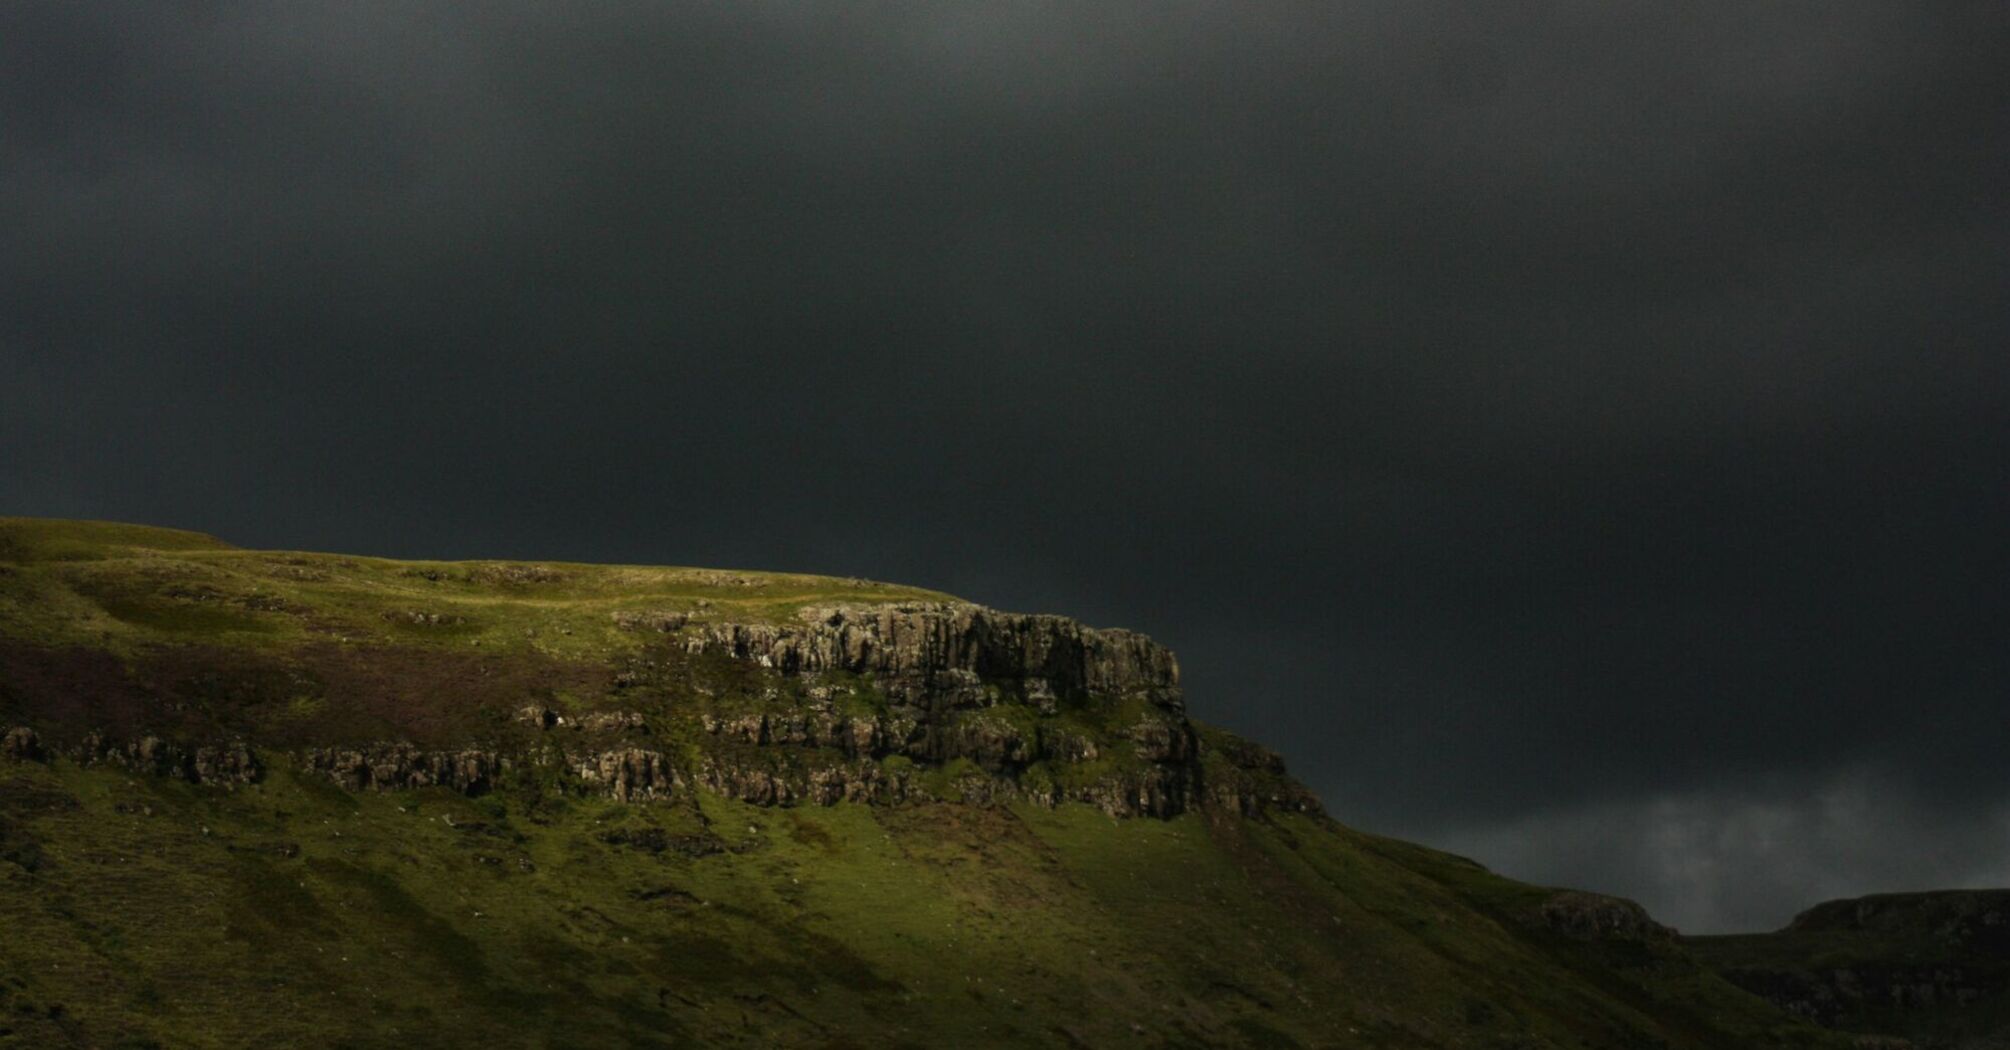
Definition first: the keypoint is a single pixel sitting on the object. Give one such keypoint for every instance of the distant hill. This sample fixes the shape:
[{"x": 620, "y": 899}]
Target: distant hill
[
  {"x": 1931, "y": 967},
  {"x": 269, "y": 798}
]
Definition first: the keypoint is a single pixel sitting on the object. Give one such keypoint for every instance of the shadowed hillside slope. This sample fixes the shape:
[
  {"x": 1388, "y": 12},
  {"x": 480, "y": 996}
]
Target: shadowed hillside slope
[
  {"x": 273, "y": 798},
  {"x": 1931, "y": 967}
]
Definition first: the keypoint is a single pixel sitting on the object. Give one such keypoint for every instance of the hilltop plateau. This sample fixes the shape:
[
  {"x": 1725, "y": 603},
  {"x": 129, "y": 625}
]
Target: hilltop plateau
[{"x": 279, "y": 798}]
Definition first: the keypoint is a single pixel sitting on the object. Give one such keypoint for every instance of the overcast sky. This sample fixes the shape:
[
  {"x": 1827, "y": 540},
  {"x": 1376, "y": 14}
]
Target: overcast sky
[{"x": 1575, "y": 434}]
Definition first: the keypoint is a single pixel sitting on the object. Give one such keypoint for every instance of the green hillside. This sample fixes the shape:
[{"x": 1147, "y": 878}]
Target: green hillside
[{"x": 253, "y": 798}]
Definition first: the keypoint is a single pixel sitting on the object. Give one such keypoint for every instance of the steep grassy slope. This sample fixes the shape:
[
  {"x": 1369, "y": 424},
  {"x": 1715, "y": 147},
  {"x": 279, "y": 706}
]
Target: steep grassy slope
[{"x": 616, "y": 806}]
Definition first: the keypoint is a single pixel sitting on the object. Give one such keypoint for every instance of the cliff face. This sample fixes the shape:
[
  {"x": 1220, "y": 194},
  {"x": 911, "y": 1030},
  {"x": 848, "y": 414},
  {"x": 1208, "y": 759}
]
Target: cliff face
[
  {"x": 720, "y": 687},
  {"x": 925, "y": 650}
]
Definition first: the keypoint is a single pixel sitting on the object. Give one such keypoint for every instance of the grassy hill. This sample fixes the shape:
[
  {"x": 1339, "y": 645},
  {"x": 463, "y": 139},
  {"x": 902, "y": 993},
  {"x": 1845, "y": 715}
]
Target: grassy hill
[
  {"x": 254, "y": 798},
  {"x": 1931, "y": 967}
]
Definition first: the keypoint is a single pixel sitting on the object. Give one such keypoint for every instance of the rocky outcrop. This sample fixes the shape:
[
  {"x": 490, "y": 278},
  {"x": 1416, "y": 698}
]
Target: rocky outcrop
[
  {"x": 221, "y": 764},
  {"x": 1248, "y": 778},
  {"x": 1170, "y": 782},
  {"x": 963, "y": 682},
  {"x": 760, "y": 772},
  {"x": 230, "y": 764},
  {"x": 1159, "y": 740},
  {"x": 951, "y": 644},
  {"x": 395, "y": 766},
  {"x": 747, "y": 783},
  {"x": 995, "y": 745},
  {"x": 22, "y": 744},
  {"x": 865, "y": 736},
  {"x": 989, "y": 740},
  {"x": 1153, "y": 792},
  {"x": 629, "y": 774},
  {"x": 858, "y": 782},
  {"x": 1596, "y": 917},
  {"x": 1236, "y": 793},
  {"x": 538, "y": 717},
  {"x": 1247, "y": 755},
  {"x": 1066, "y": 745},
  {"x": 1157, "y": 791},
  {"x": 876, "y": 703}
]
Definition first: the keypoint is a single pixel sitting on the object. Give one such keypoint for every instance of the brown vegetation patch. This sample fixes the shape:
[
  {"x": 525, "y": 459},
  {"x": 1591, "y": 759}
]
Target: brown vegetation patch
[
  {"x": 661, "y": 620},
  {"x": 324, "y": 693},
  {"x": 431, "y": 696},
  {"x": 68, "y": 690}
]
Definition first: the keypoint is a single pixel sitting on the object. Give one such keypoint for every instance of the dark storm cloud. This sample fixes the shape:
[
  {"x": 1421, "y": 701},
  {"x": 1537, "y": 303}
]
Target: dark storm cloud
[
  {"x": 1550, "y": 424},
  {"x": 1738, "y": 855}
]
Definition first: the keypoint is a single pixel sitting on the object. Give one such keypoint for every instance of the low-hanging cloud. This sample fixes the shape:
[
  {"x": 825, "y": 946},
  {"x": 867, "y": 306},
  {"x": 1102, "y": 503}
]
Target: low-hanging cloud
[{"x": 1751, "y": 856}]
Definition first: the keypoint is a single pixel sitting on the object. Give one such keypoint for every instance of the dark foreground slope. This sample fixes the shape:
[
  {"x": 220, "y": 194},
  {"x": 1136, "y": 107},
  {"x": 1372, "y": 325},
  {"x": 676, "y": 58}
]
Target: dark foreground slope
[
  {"x": 274, "y": 799},
  {"x": 1932, "y": 967}
]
